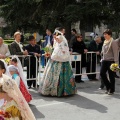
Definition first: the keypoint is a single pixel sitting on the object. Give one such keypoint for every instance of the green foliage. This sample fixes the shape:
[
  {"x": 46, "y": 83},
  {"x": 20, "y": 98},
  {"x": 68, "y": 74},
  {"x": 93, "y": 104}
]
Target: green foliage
[
  {"x": 48, "y": 49},
  {"x": 37, "y": 15}
]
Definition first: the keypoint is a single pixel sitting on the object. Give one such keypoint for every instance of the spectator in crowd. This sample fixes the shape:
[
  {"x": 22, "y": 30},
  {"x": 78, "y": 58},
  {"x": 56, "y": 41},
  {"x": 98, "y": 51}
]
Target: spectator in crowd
[
  {"x": 79, "y": 47},
  {"x": 91, "y": 65},
  {"x": 16, "y": 47},
  {"x": 22, "y": 36},
  {"x": 4, "y": 51},
  {"x": 63, "y": 31},
  {"x": 48, "y": 41},
  {"x": 34, "y": 50},
  {"x": 110, "y": 55},
  {"x": 48, "y": 38},
  {"x": 100, "y": 45},
  {"x": 73, "y": 37}
]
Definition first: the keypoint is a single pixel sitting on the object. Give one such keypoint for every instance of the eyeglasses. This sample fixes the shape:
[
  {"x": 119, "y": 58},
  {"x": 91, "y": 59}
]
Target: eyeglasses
[{"x": 79, "y": 37}]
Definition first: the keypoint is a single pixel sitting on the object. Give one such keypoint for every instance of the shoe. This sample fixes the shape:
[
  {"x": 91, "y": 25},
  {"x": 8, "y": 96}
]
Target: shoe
[
  {"x": 100, "y": 88},
  {"x": 95, "y": 79},
  {"x": 110, "y": 93},
  {"x": 106, "y": 92},
  {"x": 29, "y": 87},
  {"x": 81, "y": 81},
  {"x": 116, "y": 76}
]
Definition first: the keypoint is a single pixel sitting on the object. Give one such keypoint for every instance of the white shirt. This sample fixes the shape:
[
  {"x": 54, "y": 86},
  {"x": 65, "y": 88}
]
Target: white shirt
[
  {"x": 4, "y": 50},
  {"x": 48, "y": 40},
  {"x": 20, "y": 45}
]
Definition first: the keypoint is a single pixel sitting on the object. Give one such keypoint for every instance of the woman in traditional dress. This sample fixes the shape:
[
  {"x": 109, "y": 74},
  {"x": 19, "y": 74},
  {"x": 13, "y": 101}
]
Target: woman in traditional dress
[
  {"x": 23, "y": 84},
  {"x": 12, "y": 103},
  {"x": 58, "y": 79}
]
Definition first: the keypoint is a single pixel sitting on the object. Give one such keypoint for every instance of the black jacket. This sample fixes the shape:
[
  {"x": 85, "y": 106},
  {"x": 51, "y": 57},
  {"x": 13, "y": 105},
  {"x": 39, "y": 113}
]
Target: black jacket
[
  {"x": 94, "y": 47},
  {"x": 15, "y": 49},
  {"x": 33, "y": 49},
  {"x": 79, "y": 48}
]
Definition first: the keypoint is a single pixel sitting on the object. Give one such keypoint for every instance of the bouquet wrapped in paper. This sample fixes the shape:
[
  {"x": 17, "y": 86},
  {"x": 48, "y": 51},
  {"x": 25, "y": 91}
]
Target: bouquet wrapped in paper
[
  {"x": 115, "y": 67},
  {"x": 48, "y": 50}
]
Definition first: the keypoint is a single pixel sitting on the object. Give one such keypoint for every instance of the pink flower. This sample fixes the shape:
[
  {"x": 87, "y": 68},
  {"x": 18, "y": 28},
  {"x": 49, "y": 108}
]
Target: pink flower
[{"x": 1, "y": 118}]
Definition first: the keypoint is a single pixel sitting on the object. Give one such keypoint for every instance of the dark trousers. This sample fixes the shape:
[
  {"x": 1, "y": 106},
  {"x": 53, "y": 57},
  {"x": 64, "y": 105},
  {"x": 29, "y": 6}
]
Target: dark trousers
[
  {"x": 91, "y": 67},
  {"x": 102, "y": 82},
  {"x": 105, "y": 67},
  {"x": 77, "y": 77},
  {"x": 31, "y": 74}
]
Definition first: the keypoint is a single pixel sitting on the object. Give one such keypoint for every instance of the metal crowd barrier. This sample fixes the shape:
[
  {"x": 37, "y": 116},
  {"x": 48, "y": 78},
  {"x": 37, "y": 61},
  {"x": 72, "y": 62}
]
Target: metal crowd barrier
[
  {"x": 25, "y": 67},
  {"x": 89, "y": 55},
  {"x": 77, "y": 57},
  {"x": 74, "y": 58}
]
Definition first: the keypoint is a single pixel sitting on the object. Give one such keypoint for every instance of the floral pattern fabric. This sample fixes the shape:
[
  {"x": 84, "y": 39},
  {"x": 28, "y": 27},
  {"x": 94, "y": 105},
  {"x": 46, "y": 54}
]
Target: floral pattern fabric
[
  {"x": 18, "y": 102},
  {"x": 10, "y": 111},
  {"x": 58, "y": 79}
]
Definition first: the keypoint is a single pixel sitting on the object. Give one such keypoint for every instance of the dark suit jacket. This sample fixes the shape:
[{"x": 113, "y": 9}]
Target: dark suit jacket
[
  {"x": 15, "y": 49},
  {"x": 31, "y": 50},
  {"x": 93, "y": 46},
  {"x": 46, "y": 40}
]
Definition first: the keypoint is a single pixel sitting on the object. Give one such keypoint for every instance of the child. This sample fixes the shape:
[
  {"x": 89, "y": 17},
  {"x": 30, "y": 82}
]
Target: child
[
  {"x": 15, "y": 107},
  {"x": 14, "y": 73},
  {"x": 23, "y": 87}
]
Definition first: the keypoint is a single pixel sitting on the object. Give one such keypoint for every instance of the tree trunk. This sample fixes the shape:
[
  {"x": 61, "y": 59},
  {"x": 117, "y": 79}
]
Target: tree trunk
[{"x": 68, "y": 31}]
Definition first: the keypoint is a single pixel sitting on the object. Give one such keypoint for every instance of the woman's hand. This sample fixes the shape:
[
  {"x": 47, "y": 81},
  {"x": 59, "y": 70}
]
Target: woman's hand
[{"x": 5, "y": 96}]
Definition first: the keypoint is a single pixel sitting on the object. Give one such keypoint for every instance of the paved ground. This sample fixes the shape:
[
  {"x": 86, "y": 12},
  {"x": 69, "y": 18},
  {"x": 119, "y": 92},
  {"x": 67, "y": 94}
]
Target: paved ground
[{"x": 88, "y": 104}]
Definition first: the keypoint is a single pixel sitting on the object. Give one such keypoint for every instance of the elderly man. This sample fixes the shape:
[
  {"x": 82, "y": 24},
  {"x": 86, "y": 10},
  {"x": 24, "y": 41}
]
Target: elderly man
[
  {"x": 91, "y": 65},
  {"x": 4, "y": 51},
  {"x": 16, "y": 47}
]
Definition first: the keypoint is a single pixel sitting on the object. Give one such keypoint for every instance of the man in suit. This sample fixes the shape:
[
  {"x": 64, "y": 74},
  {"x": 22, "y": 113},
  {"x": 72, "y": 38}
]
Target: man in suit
[
  {"x": 33, "y": 50},
  {"x": 93, "y": 47},
  {"x": 16, "y": 47},
  {"x": 73, "y": 38},
  {"x": 48, "y": 38},
  {"x": 48, "y": 41}
]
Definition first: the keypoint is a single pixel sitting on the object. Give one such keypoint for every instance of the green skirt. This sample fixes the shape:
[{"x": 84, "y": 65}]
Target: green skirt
[{"x": 58, "y": 79}]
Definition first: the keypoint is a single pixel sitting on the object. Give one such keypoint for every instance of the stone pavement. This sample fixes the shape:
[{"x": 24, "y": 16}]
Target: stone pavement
[{"x": 88, "y": 104}]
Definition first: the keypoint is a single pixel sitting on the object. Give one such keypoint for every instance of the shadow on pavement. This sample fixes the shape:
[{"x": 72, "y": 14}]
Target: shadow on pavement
[
  {"x": 76, "y": 100},
  {"x": 86, "y": 103},
  {"x": 35, "y": 111}
]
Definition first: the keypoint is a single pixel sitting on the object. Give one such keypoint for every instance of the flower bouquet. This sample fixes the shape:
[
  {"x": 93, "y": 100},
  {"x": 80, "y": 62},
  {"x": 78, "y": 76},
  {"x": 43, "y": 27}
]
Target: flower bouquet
[
  {"x": 3, "y": 114},
  {"x": 7, "y": 60},
  {"x": 114, "y": 67},
  {"x": 48, "y": 51}
]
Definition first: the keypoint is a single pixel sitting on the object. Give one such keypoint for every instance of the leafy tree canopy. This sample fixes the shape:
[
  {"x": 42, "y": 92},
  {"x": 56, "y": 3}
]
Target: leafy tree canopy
[{"x": 40, "y": 14}]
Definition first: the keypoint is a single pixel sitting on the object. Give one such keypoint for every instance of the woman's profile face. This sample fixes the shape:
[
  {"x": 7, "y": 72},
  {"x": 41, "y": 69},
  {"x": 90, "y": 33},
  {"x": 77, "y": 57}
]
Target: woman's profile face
[
  {"x": 13, "y": 63},
  {"x": 1, "y": 71},
  {"x": 106, "y": 36}
]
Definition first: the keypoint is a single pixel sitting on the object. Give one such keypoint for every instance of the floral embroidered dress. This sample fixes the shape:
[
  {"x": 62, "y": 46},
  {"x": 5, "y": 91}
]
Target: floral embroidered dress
[
  {"x": 58, "y": 79},
  {"x": 23, "y": 89},
  {"x": 15, "y": 106}
]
